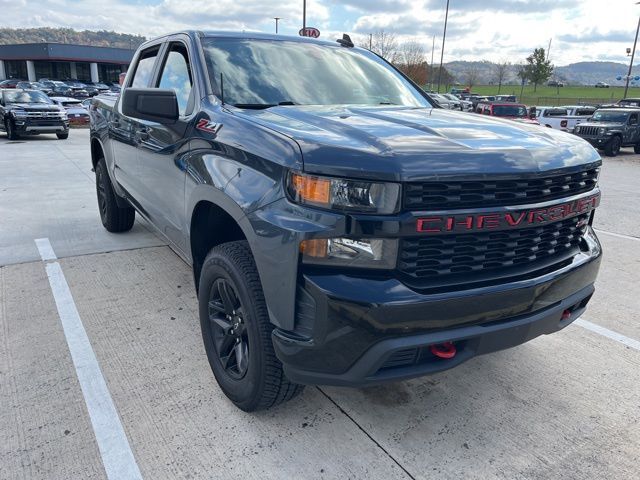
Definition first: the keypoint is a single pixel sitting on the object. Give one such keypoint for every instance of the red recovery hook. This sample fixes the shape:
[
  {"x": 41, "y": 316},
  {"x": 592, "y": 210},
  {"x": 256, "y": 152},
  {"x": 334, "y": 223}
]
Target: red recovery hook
[{"x": 443, "y": 350}]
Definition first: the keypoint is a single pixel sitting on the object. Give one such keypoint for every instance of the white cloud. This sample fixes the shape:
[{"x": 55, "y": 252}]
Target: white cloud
[{"x": 488, "y": 29}]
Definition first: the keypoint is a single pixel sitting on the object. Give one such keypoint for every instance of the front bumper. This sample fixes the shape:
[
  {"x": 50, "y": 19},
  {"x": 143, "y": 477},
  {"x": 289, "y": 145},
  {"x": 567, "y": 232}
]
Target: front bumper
[
  {"x": 362, "y": 331},
  {"x": 598, "y": 142},
  {"x": 31, "y": 127}
]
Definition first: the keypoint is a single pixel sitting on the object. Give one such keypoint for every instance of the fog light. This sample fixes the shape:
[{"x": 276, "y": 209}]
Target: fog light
[{"x": 360, "y": 253}]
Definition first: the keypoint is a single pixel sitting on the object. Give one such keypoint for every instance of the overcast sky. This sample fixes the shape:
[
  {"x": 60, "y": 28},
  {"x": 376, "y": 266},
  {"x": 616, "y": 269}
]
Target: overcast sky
[{"x": 478, "y": 29}]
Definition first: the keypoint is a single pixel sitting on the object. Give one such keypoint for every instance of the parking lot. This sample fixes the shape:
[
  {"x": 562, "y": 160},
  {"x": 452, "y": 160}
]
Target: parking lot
[{"x": 562, "y": 406}]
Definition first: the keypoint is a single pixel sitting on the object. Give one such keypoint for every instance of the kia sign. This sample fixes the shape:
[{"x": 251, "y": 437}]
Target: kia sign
[{"x": 309, "y": 32}]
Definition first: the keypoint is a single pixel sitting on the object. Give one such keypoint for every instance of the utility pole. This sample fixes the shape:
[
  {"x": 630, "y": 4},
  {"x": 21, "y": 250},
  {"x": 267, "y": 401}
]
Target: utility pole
[
  {"x": 304, "y": 14},
  {"x": 277, "y": 19},
  {"x": 444, "y": 37},
  {"x": 633, "y": 52},
  {"x": 549, "y": 49},
  {"x": 433, "y": 47},
  {"x": 370, "y": 41}
]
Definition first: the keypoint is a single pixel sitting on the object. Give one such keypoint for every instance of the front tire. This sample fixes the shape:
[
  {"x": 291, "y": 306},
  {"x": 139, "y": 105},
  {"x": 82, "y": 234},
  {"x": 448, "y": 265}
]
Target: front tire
[
  {"x": 11, "y": 130},
  {"x": 236, "y": 330},
  {"x": 114, "y": 218},
  {"x": 62, "y": 136},
  {"x": 636, "y": 148},
  {"x": 612, "y": 148}
]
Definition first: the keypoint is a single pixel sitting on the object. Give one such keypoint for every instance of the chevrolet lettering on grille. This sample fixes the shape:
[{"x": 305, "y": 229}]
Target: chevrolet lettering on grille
[{"x": 442, "y": 224}]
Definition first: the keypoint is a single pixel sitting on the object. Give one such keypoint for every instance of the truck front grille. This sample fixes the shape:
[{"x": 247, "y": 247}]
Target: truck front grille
[
  {"x": 488, "y": 193},
  {"x": 476, "y": 257},
  {"x": 588, "y": 131}
]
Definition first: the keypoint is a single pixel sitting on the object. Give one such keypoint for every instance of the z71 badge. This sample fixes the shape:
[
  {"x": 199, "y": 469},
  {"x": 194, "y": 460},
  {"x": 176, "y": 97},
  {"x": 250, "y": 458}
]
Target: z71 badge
[{"x": 208, "y": 126}]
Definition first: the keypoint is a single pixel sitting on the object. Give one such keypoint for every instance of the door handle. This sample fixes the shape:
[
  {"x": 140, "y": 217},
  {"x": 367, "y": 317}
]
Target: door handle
[{"x": 143, "y": 134}]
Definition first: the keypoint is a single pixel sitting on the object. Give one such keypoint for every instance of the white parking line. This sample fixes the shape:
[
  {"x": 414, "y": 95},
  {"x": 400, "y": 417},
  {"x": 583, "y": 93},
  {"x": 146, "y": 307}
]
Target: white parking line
[
  {"x": 117, "y": 457},
  {"x": 605, "y": 332},
  {"x": 619, "y": 235}
]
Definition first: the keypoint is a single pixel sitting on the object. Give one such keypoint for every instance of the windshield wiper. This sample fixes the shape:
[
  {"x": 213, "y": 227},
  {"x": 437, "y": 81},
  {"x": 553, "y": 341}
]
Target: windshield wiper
[{"x": 262, "y": 106}]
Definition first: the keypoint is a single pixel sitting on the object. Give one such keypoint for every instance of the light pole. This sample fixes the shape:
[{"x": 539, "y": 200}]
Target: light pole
[
  {"x": 626, "y": 85},
  {"x": 433, "y": 47},
  {"x": 304, "y": 14},
  {"x": 444, "y": 37},
  {"x": 277, "y": 19}
]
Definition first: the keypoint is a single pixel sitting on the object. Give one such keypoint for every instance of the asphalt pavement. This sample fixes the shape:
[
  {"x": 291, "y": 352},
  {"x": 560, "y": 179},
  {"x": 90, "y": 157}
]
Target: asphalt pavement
[{"x": 562, "y": 406}]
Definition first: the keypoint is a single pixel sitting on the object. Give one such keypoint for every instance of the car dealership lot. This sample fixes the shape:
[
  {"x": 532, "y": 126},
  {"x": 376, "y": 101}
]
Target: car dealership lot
[{"x": 561, "y": 406}]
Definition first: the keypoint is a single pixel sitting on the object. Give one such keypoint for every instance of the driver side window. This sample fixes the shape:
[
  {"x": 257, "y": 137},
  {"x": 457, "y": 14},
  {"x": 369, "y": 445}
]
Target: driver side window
[{"x": 176, "y": 75}]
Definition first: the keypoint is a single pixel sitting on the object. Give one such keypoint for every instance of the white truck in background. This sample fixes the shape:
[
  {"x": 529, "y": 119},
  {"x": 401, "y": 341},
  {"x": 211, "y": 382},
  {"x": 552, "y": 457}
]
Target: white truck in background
[{"x": 563, "y": 118}]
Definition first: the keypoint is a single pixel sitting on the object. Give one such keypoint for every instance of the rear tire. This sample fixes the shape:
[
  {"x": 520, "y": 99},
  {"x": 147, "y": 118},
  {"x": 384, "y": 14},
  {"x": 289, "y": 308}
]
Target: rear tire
[
  {"x": 636, "y": 148},
  {"x": 236, "y": 330},
  {"x": 62, "y": 136},
  {"x": 11, "y": 130},
  {"x": 612, "y": 148},
  {"x": 114, "y": 218}
]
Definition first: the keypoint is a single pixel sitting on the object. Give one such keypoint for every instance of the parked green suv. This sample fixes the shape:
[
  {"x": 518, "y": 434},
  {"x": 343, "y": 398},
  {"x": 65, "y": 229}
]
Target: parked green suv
[{"x": 610, "y": 129}]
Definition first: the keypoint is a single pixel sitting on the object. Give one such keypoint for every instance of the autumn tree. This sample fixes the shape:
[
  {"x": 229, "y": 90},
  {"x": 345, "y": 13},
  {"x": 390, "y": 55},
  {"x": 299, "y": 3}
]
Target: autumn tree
[
  {"x": 413, "y": 61},
  {"x": 471, "y": 76},
  {"x": 501, "y": 71},
  {"x": 384, "y": 44}
]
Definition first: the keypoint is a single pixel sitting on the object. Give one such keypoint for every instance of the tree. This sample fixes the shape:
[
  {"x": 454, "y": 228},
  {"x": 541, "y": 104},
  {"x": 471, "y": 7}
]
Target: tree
[
  {"x": 471, "y": 75},
  {"x": 501, "y": 71},
  {"x": 538, "y": 68},
  {"x": 413, "y": 62},
  {"x": 384, "y": 44}
]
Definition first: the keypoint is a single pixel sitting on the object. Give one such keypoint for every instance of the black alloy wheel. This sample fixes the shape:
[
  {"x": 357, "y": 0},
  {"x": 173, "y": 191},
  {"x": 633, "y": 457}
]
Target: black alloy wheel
[
  {"x": 228, "y": 328},
  {"x": 102, "y": 194}
]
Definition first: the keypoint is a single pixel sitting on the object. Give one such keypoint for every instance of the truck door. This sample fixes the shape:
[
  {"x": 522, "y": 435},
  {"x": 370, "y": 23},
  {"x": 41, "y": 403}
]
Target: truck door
[
  {"x": 124, "y": 130},
  {"x": 162, "y": 148},
  {"x": 632, "y": 129}
]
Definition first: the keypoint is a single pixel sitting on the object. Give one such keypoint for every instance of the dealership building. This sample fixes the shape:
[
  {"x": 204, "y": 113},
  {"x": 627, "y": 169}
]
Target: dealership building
[{"x": 33, "y": 61}]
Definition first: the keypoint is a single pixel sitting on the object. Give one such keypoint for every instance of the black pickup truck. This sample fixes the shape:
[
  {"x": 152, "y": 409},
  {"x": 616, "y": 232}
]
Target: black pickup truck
[
  {"x": 31, "y": 112},
  {"x": 342, "y": 228}
]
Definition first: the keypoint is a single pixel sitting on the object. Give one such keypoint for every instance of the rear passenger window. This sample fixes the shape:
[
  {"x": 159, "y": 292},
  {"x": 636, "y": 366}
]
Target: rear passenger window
[
  {"x": 144, "y": 69},
  {"x": 176, "y": 75}
]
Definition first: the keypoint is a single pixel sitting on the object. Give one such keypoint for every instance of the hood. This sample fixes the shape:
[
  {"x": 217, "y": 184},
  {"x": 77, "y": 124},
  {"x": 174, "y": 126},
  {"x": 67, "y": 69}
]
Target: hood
[
  {"x": 35, "y": 107},
  {"x": 411, "y": 144}
]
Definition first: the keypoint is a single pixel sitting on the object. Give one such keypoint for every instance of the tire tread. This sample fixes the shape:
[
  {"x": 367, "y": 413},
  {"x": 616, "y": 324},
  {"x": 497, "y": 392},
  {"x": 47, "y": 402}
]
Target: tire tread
[{"x": 277, "y": 387}]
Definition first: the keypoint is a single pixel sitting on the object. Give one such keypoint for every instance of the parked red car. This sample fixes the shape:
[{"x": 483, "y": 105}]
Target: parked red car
[
  {"x": 512, "y": 111},
  {"x": 11, "y": 83}
]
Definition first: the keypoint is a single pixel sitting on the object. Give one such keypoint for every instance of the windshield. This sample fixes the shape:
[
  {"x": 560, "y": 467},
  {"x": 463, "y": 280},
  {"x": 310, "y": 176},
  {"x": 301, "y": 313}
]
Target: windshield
[
  {"x": 25, "y": 97},
  {"x": 509, "y": 111},
  {"x": 272, "y": 72},
  {"x": 614, "y": 117}
]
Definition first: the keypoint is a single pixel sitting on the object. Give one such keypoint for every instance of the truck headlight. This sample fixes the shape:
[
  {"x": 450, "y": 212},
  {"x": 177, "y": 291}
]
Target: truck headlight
[
  {"x": 19, "y": 113},
  {"x": 346, "y": 252},
  {"x": 602, "y": 131},
  {"x": 342, "y": 194}
]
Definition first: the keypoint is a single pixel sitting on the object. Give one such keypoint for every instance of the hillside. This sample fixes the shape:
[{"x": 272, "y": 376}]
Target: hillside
[
  {"x": 100, "y": 38},
  {"x": 581, "y": 73}
]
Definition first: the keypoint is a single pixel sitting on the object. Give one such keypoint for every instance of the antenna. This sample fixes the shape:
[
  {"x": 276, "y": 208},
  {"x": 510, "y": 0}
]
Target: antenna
[
  {"x": 221, "y": 88},
  {"x": 345, "y": 41}
]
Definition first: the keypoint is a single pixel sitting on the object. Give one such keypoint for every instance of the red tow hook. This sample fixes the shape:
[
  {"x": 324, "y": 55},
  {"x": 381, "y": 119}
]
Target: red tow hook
[
  {"x": 443, "y": 350},
  {"x": 566, "y": 315}
]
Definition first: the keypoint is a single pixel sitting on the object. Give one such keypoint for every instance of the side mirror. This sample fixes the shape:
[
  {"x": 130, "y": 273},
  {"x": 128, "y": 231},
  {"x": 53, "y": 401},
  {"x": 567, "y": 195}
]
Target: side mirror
[{"x": 153, "y": 104}]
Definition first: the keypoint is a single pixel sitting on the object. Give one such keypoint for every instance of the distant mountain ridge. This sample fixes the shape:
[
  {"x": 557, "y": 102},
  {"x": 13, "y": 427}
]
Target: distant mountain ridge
[
  {"x": 100, "y": 38},
  {"x": 580, "y": 73}
]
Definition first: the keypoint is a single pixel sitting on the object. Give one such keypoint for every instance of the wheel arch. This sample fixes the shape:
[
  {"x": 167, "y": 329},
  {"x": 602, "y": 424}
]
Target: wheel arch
[{"x": 210, "y": 225}]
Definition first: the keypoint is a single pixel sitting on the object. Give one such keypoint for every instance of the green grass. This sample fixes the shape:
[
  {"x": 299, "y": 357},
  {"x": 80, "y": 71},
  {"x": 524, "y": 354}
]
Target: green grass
[{"x": 559, "y": 96}]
